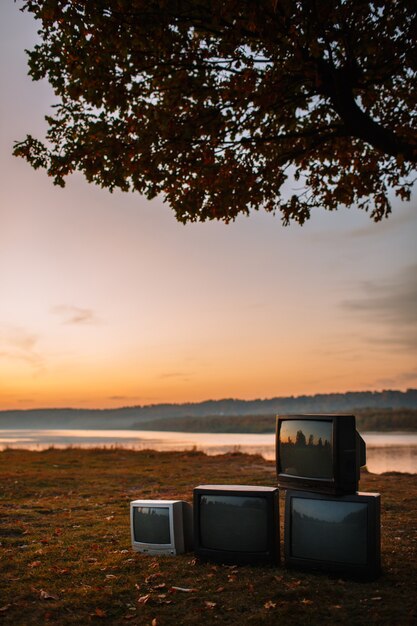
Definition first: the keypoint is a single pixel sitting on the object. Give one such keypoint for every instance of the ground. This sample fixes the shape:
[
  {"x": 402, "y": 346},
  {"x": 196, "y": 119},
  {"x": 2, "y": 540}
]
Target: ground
[{"x": 66, "y": 557}]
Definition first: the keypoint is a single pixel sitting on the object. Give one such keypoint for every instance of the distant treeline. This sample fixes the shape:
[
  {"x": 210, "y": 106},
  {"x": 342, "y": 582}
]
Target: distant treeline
[
  {"x": 366, "y": 420},
  {"x": 397, "y": 407}
]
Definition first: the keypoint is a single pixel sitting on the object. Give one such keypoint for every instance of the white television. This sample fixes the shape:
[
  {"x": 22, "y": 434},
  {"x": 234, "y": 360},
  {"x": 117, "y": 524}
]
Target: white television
[{"x": 161, "y": 526}]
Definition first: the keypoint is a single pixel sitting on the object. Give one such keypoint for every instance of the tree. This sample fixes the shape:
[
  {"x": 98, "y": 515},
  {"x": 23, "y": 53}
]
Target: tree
[
  {"x": 217, "y": 104},
  {"x": 300, "y": 439}
]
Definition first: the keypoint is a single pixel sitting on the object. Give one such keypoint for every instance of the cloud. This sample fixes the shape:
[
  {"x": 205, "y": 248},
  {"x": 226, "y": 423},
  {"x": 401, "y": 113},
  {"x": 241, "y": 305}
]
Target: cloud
[
  {"x": 392, "y": 303},
  {"x": 75, "y": 315},
  {"x": 401, "y": 379},
  {"x": 183, "y": 375},
  {"x": 374, "y": 229},
  {"x": 18, "y": 344}
]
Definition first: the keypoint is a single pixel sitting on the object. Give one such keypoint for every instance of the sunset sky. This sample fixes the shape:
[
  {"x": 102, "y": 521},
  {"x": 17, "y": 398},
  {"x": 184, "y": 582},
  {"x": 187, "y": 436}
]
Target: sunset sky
[{"x": 107, "y": 301}]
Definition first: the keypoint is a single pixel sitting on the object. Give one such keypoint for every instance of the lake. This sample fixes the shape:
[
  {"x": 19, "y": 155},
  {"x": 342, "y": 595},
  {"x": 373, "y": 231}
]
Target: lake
[{"x": 386, "y": 452}]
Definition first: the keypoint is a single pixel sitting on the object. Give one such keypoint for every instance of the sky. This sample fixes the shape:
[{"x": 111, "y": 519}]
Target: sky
[{"x": 106, "y": 300}]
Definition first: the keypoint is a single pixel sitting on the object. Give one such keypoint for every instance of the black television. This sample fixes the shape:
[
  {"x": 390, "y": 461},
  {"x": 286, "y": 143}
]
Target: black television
[
  {"x": 236, "y": 524},
  {"x": 322, "y": 453},
  {"x": 333, "y": 534}
]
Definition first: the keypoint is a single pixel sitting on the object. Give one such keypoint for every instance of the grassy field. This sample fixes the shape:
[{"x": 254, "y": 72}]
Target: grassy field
[{"x": 65, "y": 554}]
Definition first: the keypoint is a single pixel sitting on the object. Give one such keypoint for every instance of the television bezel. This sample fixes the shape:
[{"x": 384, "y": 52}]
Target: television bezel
[
  {"x": 368, "y": 571},
  {"x": 180, "y": 528},
  {"x": 349, "y": 454},
  {"x": 270, "y": 556}
]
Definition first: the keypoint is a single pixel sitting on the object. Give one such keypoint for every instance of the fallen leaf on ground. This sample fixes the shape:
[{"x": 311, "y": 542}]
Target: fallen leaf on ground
[
  {"x": 152, "y": 577},
  {"x": 35, "y": 564},
  {"x": 98, "y": 613},
  {"x": 5, "y": 607},
  {"x": 305, "y": 601},
  {"x": 210, "y": 605},
  {"x": 144, "y": 599},
  {"x": 45, "y": 595},
  {"x": 186, "y": 589},
  {"x": 270, "y": 605}
]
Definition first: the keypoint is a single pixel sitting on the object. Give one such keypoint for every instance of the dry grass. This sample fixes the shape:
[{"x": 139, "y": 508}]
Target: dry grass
[{"x": 65, "y": 555}]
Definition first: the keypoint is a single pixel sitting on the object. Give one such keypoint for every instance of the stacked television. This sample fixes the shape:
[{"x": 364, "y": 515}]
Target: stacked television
[{"x": 329, "y": 525}]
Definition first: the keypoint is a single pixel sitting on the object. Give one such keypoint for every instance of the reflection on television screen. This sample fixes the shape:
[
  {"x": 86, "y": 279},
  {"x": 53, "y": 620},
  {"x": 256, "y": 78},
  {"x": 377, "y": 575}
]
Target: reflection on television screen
[
  {"x": 234, "y": 523},
  {"x": 329, "y": 530},
  {"x": 151, "y": 525},
  {"x": 305, "y": 448}
]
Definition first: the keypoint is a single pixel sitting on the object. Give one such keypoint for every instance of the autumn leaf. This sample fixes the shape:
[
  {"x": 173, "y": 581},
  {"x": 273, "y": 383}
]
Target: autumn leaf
[
  {"x": 210, "y": 605},
  {"x": 152, "y": 577},
  {"x": 216, "y": 121},
  {"x": 270, "y": 605},
  {"x": 144, "y": 599},
  {"x": 45, "y": 595}
]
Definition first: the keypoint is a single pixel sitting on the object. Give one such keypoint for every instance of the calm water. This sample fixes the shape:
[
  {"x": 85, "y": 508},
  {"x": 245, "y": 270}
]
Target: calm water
[{"x": 386, "y": 452}]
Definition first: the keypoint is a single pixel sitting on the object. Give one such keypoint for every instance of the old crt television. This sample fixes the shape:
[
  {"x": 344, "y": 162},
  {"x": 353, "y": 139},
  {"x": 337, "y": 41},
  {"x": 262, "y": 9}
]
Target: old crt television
[
  {"x": 322, "y": 453},
  {"x": 333, "y": 534},
  {"x": 236, "y": 524},
  {"x": 161, "y": 526}
]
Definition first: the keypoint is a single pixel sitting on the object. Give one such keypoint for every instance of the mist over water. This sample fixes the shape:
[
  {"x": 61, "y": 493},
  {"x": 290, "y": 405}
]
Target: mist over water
[{"x": 386, "y": 452}]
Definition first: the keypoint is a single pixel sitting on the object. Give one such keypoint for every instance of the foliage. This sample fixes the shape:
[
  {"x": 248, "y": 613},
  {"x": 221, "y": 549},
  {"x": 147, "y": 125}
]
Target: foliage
[
  {"x": 217, "y": 105},
  {"x": 366, "y": 420}
]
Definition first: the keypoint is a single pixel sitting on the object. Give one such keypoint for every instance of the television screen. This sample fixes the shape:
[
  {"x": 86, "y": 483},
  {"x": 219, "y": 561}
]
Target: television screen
[
  {"x": 249, "y": 535},
  {"x": 306, "y": 448},
  {"x": 151, "y": 524},
  {"x": 333, "y": 533},
  {"x": 161, "y": 526},
  {"x": 321, "y": 453},
  {"x": 236, "y": 523}
]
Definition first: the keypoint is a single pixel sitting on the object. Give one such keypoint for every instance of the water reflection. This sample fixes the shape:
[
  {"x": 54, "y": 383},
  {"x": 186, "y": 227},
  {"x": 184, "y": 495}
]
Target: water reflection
[
  {"x": 386, "y": 452},
  {"x": 305, "y": 448}
]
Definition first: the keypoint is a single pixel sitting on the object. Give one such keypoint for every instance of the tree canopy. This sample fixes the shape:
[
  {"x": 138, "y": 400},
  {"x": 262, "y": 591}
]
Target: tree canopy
[{"x": 219, "y": 104}]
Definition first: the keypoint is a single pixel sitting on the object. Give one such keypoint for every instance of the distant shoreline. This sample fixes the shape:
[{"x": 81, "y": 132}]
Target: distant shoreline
[{"x": 377, "y": 420}]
